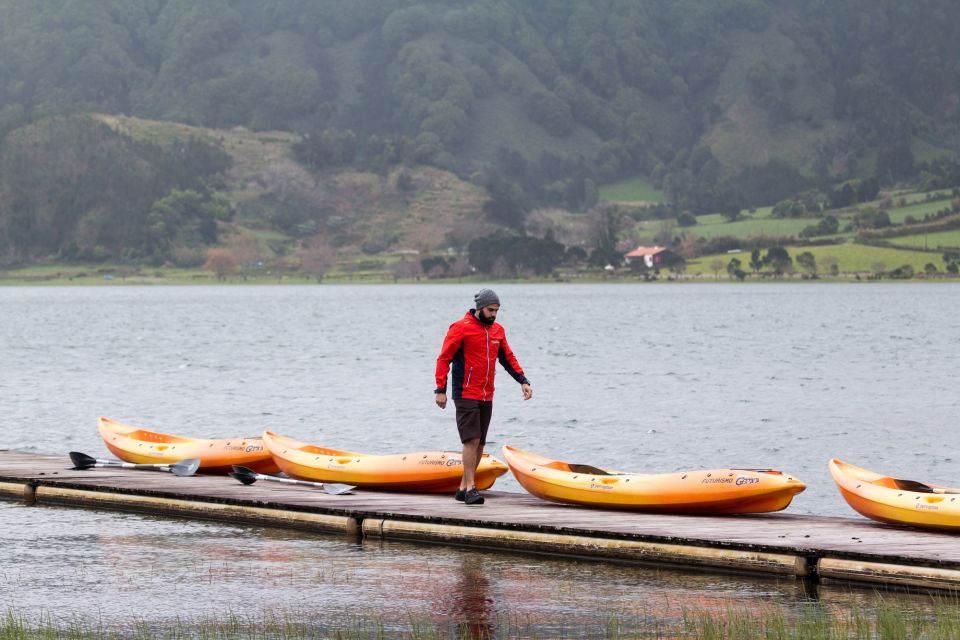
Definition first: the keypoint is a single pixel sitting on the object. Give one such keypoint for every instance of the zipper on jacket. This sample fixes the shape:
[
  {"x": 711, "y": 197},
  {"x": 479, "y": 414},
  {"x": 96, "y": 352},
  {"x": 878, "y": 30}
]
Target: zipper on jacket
[
  {"x": 486, "y": 333},
  {"x": 469, "y": 375}
]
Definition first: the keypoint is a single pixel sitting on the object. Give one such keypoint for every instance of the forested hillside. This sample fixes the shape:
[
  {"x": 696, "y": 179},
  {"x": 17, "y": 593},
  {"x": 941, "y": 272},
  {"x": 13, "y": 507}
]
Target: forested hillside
[{"x": 723, "y": 105}]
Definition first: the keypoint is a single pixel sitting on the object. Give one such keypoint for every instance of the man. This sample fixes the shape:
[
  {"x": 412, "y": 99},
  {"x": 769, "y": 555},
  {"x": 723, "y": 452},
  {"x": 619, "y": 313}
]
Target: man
[{"x": 474, "y": 344}]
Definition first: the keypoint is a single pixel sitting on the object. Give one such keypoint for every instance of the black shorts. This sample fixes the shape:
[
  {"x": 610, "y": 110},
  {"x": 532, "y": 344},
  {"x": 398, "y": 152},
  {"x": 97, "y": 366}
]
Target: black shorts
[{"x": 473, "y": 419}]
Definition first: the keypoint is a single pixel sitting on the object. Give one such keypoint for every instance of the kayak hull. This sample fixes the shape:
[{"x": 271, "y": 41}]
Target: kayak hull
[
  {"x": 420, "y": 472},
  {"x": 895, "y": 501},
  {"x": 140, "y": 446},
  {"x": 709, "y": 491}
]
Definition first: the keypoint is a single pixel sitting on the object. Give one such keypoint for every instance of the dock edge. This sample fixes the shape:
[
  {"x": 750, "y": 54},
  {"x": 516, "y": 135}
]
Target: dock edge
[
  {"x": 614, "y": 548},
  {"x": 888, "y": 574},
  {"x": 189, "y": 508}
]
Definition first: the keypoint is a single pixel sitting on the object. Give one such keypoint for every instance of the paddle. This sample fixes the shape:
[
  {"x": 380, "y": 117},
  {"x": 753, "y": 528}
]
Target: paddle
[
  {"x": 248, "y": 476},
  {"x": 182, "y": 468}
]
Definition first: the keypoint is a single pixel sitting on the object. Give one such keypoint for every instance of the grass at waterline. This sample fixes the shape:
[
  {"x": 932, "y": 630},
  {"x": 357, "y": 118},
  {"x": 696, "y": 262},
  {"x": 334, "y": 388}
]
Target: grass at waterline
[{"x": 811, "y": 621}]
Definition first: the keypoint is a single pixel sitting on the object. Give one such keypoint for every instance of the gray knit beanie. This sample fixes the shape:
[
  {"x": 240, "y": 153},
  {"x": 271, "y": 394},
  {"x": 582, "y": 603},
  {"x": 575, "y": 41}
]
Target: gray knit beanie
[{"x": 485, "y": 298}]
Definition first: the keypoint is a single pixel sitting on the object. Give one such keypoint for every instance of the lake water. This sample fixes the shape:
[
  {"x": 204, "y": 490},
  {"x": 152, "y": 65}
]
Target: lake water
[{"x": 647, "y": 378}]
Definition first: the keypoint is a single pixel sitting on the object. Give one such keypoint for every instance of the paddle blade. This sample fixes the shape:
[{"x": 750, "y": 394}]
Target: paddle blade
[
  {"x": 185, "y": 467},
  {"x": 335, "y": 489},
  {"x": 244, "y": 475},
  {"x": 82, "y": 460}
]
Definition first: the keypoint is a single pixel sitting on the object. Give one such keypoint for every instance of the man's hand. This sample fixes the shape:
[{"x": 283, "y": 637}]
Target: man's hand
[
  {"x": 441, "y": 400},
  {"x": 527, "y": 391}
]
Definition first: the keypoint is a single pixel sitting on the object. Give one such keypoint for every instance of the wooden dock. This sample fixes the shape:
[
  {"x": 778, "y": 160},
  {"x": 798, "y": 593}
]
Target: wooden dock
[{"x": 808, "y": 547}]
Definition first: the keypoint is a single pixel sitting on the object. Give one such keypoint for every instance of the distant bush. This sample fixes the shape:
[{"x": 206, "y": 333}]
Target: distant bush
[
  {"x": 901, "y": 273},
  {"x": 686, "y": 219}
]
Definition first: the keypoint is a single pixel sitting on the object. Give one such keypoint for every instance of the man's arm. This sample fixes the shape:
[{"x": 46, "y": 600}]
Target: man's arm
[
  {"x": 510, "y": 364},
  {"x": 451, "y": 344}
]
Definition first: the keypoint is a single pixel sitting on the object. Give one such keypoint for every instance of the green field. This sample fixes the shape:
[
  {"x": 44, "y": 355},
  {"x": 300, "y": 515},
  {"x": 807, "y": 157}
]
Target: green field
[
  {"x": 913, "y": 197},
  {"x": 918, "y": 210},
  {"x": 756, "y": 226},
  {"x": 759, "y": 223},
  {"x": 632, "y": 190},
  {"x": 933, "y": 241},
  {"x": 923, "y": 151},
  {"x": 851, "y": 259}
]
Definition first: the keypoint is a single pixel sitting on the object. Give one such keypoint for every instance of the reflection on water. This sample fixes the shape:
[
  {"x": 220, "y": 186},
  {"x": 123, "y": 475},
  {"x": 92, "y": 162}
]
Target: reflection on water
[
  {"x": 468, "y": 600},
  {"x": 115, "y": 568}
]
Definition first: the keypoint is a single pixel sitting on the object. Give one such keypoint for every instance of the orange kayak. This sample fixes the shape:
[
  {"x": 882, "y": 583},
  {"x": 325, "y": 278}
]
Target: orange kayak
[
  {"x": 421, "y": 471},
  {"x": 216, "y": 456},
  {"x": 709, "y": 491},
  {"x": 897, "y": 501}
]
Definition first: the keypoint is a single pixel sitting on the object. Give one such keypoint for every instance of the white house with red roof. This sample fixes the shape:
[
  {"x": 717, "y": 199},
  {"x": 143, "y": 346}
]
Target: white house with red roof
[{"x": 653, "y": 257}]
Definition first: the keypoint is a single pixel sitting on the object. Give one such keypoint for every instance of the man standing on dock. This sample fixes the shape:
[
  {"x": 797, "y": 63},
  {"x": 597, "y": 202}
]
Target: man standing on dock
[{"x": 474, "y": 344}]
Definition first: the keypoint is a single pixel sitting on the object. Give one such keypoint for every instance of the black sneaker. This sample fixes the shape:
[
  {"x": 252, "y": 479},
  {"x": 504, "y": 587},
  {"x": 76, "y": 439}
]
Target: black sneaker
[
  {"x": 458, "y": 496},
  {"x": 472, "y": 496}
]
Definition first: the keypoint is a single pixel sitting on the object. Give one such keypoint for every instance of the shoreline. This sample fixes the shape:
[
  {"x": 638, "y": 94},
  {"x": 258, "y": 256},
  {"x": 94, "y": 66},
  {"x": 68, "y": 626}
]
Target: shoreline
[{"x": 191, "y": 278}]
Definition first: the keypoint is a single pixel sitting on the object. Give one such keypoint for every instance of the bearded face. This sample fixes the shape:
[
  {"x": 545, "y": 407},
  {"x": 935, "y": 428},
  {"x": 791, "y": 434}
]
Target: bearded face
[{"x": 488, "y": 315}]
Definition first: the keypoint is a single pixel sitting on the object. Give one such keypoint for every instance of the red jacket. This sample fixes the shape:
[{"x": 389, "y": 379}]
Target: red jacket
[{"x": 474, "y": 349}]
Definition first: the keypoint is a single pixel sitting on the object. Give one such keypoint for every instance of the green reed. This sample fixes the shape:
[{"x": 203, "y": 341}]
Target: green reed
[{"x": 812, "y": 621}]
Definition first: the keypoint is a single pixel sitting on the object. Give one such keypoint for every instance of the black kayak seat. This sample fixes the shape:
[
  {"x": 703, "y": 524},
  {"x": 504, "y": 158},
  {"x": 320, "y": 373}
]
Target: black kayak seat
[
  {"x": 589, "y": 469},
  {"x": 917, "y": 487}
]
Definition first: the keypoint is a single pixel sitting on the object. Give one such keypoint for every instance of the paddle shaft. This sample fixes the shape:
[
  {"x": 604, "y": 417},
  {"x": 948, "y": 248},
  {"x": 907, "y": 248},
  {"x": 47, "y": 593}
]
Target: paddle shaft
[
  {"x": 248, "y": 476},
  {"x": 181, "y": 468},
  {"x": 302, "y": 483},
  {"x": 161, "y": 466},
  {"x": 130, "y": 465}
]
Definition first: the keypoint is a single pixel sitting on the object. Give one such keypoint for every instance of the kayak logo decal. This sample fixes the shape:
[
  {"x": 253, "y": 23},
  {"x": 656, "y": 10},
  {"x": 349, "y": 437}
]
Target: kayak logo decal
[
  {"x": 716, "y": 481},
  {"x": 594, "y": 485},
  {"x": 254, "y": 447},
  {"x": 442, "y": 462},
  {"x": 742, "y": 480}
]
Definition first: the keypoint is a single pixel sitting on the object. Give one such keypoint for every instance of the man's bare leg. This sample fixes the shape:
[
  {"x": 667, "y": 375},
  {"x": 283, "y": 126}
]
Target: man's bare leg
[{"x": 472, "y": 451}]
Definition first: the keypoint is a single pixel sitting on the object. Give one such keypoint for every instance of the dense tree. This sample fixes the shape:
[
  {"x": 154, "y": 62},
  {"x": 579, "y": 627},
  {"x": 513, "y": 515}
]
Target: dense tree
[
  {"x": 551, "y": 113},
  {"x": 185, "y": 218},
  {"x": 519, "y": 253},
  {"x": 600, "y": 89},
  {"x": 75, "y": 187},
  {"x": 779, "y": 259},
  {"x": 507, "y": 204},
  {"x": 871, "y": 218},
  {"x": 735, "y": 270},
  {"x": 809, "y": 262}
]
